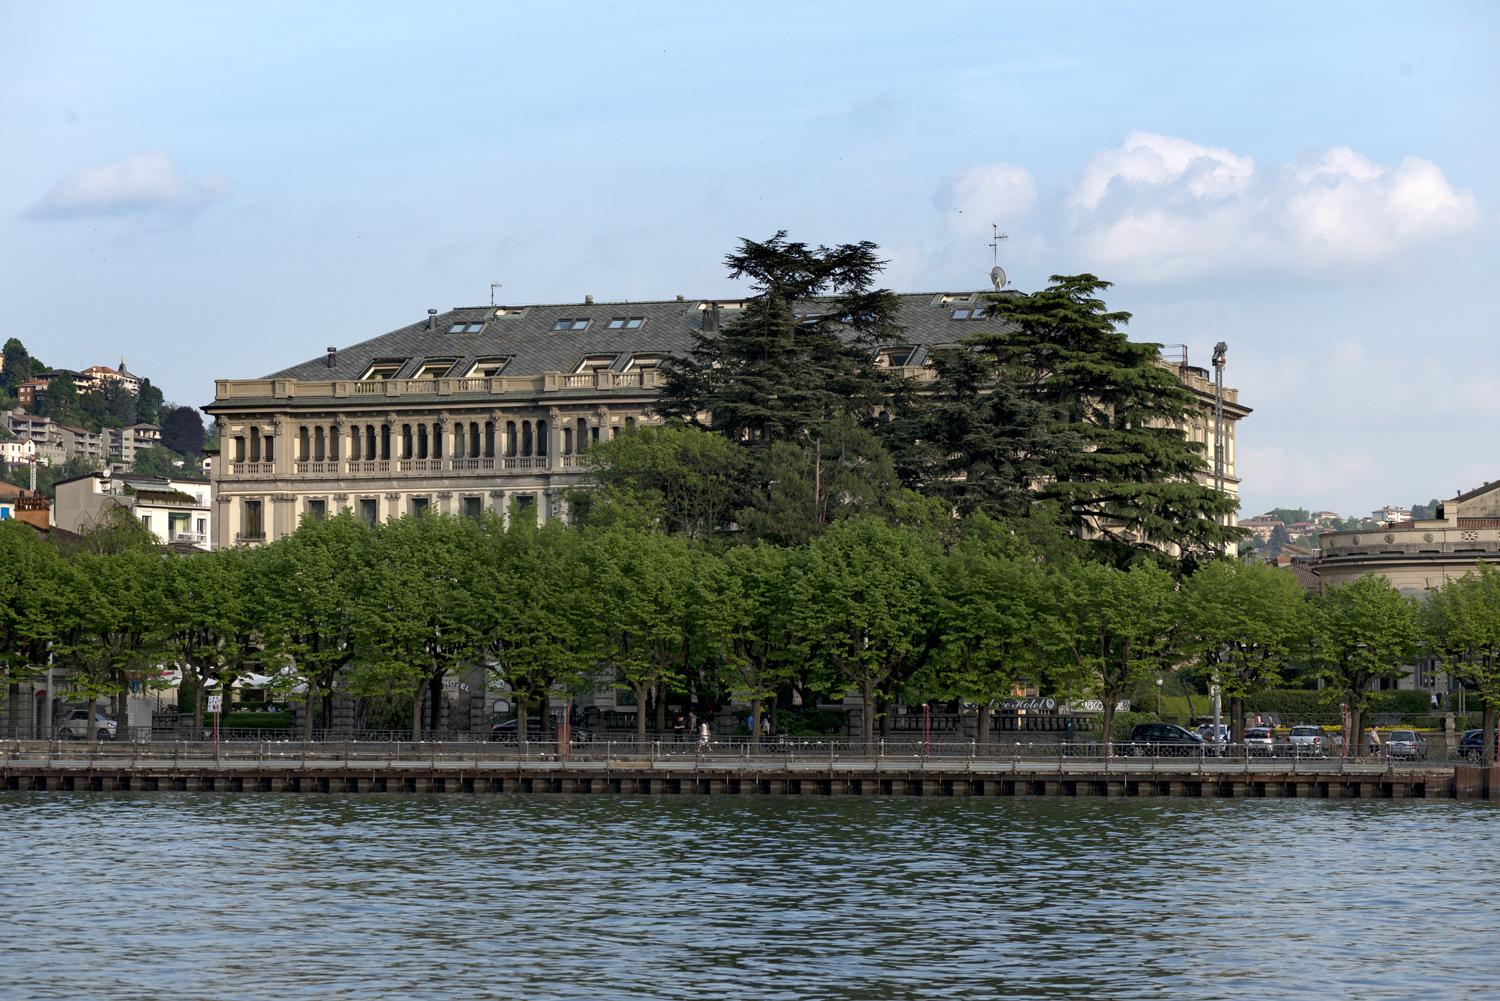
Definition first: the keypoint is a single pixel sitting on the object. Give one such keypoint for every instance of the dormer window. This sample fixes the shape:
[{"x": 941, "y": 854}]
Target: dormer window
[
  {"x": 434, "y": 368},
  {"x": 593, "y": 363},
  {"x": 571, "y": 323},
  {"x": 894, "y": 357},
  {"x": 380, "y": 370},
  {"x": 639, "y": 363},
  {"x": 627, "y": 322},
  {"x": 485, "y": 368}
]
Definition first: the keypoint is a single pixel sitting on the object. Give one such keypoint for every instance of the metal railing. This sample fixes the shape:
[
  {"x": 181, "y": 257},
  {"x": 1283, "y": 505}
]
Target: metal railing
[{"x": 390, "y": 750}]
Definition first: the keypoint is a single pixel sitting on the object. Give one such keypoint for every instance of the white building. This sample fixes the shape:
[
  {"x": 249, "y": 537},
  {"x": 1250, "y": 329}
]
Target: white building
[{"x": 176, "y": 510}]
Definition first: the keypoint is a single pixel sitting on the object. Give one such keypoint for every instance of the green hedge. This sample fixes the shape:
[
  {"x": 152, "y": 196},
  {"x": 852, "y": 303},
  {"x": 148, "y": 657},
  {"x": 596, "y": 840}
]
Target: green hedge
[
  {"x": 810, "y": 722},
  {"x": 253, "y": 720}
]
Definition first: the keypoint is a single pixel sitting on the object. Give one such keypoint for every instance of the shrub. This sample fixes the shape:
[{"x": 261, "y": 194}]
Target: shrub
[{"x": 808, "y": 722}]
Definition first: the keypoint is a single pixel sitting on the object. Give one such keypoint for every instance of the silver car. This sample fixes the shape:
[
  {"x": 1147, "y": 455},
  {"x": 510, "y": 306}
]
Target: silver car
[
  {"x": 1405, "y": 744},
  {"x": 1308, "y": 742},
  {"x": 76, "y": 726},
  {"x": 1260, "y": 741}
]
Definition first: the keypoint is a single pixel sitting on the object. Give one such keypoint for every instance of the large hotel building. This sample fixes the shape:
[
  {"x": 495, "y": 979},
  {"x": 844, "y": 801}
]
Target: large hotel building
[{"x": 489, "y": 408}]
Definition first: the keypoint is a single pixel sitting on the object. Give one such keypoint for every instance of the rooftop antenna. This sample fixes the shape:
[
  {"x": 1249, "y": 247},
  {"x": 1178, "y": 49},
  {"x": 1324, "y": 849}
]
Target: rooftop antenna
[
  {"x": 997, "y": 273},
  {"x": 493, "y": 286}
]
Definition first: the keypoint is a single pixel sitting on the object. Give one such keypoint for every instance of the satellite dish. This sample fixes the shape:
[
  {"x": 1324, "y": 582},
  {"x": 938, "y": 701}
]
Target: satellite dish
[{"x": 997, "y": 275}]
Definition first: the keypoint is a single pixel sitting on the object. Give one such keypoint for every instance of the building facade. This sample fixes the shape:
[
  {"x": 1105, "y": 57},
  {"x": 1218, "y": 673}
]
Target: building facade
[
  {"x": 177, "y": 511},
  {"x": 491, "y": 409}
]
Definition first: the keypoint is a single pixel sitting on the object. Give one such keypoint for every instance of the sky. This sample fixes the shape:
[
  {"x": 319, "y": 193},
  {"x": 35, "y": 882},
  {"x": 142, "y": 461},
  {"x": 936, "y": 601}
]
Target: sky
[{"x": 220, "y": 191}]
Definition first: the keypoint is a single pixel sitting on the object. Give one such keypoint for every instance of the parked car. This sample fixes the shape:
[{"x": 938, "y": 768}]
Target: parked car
[
  {"x": 76, "y": 726},
  {"x": 1471, "y": 745},
  {"x": 1206, "y": 731},
  {"x": 506, "y": 733},
  {"x": 1405, "y": 744},
  {"x": 1163, "y": 738},
  {"x": 1308, "y": 741},
  {"x": 1260, "y": 741}
]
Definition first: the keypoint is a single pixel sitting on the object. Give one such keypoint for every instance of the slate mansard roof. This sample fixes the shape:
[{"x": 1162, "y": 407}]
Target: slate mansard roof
[{"x": 526, "y": 335}]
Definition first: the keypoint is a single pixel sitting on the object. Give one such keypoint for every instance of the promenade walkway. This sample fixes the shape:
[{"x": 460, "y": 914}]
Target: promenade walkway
[{"x": 803, "y": 768}]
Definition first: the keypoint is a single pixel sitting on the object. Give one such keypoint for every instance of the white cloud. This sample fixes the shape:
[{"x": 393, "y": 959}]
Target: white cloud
[
  {"x": 140, "y": 183},
  {"x": 1163, "y": 208},
  {"x": 995, "y": 193}
]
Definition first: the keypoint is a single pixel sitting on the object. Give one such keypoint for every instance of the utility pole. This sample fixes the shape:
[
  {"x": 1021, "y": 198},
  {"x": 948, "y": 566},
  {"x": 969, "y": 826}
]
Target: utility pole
[{"x": 1220, "y": 349}]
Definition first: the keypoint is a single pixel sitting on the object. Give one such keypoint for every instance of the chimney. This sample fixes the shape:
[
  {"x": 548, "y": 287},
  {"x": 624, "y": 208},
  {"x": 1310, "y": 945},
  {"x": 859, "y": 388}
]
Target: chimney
[
  {"x": 711, "y": 317},
  {"x": 588, "y": 300},
  {"x": 679, "y": 297},
  {"x": 333, "y": 356},
  {"x": 432, "y": 319}
]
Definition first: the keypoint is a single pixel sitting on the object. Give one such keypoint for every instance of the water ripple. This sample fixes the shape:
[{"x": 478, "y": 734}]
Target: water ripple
[{"x": 248, "y": 897}]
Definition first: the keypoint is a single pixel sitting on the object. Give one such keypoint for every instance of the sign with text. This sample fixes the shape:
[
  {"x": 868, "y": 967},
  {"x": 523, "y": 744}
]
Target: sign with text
[{"x": 215, "y": 703}]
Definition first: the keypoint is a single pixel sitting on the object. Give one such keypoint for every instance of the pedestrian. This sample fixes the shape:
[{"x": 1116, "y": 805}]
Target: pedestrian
[
  {"x": 692, "y": 722},
  {"x": 1374, "y": 742},
  {"x": 1434, "y": 699},
  {"x": 703, "y": 736},
  {"x": 679, "y": 728}
]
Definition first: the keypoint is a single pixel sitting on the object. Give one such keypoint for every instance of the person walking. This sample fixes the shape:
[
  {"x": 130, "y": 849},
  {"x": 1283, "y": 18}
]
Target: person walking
[
  {"x": 703, "y": 736},
  {"x": 679, "y": 728}
]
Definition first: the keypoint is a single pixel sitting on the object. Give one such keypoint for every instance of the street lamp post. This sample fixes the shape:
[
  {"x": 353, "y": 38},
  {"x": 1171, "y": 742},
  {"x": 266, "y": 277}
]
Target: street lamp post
[{"x": 1158, "y": 695}]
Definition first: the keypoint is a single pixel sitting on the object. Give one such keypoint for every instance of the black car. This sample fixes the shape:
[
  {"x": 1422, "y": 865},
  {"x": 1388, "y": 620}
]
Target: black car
[
  {"x": 1163, "y": 738},
  {"x": 1471, "y": 745}
]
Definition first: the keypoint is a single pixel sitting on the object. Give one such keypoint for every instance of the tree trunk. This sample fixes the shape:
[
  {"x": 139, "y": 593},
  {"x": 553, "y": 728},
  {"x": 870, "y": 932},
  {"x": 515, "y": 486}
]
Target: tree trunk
[
  {"x": 1237, "y": 720},
  {"x": 416, "y": 712},
  {"x": 661, "y": 707},
  {"x": 640, "y": 715},
  {"x": 435, "y": 703},
  {"x": 868, "y": 693},
  {"x": 523, "y": 713},
  {"x": 1356, "y": 735},
  {"x": 544, "y": 713},
  {"x": 13, "y": 709},
  {"x": 199, "y": 697},
  {"x": 754, "y": 721},
  {"x": 309, "y": 701},
  {"x": 984, "y": 724},
  {"x": 1487, "y": 734},
  {"x": 1109, "y": 725}
]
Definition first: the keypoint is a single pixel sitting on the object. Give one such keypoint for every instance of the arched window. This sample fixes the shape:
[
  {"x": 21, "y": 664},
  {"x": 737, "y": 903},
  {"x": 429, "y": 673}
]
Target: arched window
[{"x": 510, "y": 438}]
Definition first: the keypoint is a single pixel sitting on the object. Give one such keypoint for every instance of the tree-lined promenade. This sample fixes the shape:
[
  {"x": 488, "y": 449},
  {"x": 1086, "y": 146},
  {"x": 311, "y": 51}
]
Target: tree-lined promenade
[
  {"x": 804, "y": 524},
  {"x": 890, "y": 612}
]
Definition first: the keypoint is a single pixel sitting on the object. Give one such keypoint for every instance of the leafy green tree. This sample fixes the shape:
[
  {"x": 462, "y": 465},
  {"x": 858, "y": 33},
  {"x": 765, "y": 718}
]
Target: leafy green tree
[
  {"x": 148, "y": 403},
  {"x": 122, "y": 597},
  {"x": 974, "y": 438},
  {"x": 1363, "y": 632},
  {"x": 844, "y": 472},
  {"x": 1245, "y": 621},
  {"x": 1461, "y": 624},
  {"x": 215, "y": 610},
  {"x": 60, "y": 402},
  {"x": 637, "y": 580},
  {"x": 744, "y": 603},
  {"x": 1132, "y": 484},
  {"x": 863, "y": 608},
  {"x": 797, "y": 355},
  {"x": 33, "y": 607},
  {"x": 19, "y": 366},
  {"x": 685, "y": 479},
  {"x": 182, "y": 431},
  {"x": 1114, "y": 628},
  {"x": 416, "y": 617},
  {"x": 991, "y": 612},
  {"x": 313, "y": 581},
  {"x": 534, "y": 613},
  {"x": 156, "y": 461}
]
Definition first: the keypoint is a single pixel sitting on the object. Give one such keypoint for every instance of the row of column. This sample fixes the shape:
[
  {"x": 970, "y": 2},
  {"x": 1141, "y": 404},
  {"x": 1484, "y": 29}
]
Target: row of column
[{"x": 437, "y": 438}]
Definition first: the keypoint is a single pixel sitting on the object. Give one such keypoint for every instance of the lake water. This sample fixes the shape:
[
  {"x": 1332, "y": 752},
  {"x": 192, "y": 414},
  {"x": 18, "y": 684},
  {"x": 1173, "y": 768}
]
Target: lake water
[{"x": 269, "y": 896}]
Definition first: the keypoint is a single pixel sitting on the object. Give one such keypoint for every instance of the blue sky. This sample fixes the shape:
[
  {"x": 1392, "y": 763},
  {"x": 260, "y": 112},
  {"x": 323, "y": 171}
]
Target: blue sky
[{"x": 220, "y": 192}]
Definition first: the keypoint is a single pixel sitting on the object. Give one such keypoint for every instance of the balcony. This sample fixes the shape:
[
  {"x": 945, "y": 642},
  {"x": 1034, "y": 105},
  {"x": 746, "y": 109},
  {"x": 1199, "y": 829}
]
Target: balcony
[
  {"x": 191, "y": 538},
  {"x": 385, "y": 468},
  {"x": 601, "y": 380}
]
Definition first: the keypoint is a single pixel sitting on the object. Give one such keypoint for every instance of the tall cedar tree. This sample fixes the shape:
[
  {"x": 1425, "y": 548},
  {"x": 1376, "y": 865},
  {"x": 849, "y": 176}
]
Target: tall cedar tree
[
  {"x": 973, "y": 438},
  {"x": 1133, "y": 483},
  {"x": 798, "y": 355}
]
